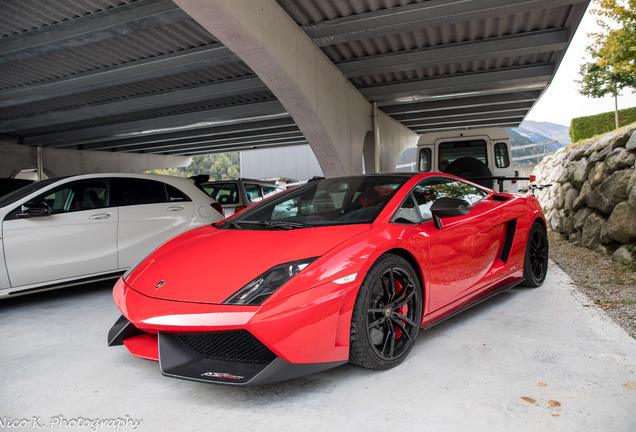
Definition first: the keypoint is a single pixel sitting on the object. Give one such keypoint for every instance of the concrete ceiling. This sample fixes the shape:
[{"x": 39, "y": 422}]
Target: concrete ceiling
[{"x": 142, "y": 76}]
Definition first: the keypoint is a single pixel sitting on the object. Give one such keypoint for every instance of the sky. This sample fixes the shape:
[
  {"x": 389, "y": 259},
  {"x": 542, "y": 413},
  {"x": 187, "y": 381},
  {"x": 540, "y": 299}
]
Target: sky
[{"x": 562, "y": 102}]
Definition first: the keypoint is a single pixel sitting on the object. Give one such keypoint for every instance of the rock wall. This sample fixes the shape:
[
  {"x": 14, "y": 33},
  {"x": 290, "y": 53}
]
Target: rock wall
[{"x": 592, "y": 200}]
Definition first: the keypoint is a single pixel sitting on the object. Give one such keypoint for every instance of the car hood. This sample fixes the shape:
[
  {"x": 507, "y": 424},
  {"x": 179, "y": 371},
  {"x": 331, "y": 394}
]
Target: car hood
[{"x": 207, "y": 265}]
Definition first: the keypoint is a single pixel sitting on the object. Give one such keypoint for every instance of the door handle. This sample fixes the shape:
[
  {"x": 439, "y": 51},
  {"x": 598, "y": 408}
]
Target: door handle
[
  {"x": 175, "y": 208},
  {"x": 100, "y": 216}
]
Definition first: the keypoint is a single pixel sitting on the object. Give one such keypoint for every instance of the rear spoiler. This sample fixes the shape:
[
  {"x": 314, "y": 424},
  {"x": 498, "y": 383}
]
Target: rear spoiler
[
  {"x": 500, "y": 180},
  {"x": 199, "y": 179}
]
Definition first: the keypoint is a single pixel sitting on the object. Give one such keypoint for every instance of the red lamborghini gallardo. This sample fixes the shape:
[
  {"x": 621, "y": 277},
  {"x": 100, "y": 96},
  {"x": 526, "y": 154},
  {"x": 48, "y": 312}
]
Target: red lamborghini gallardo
[{"x": 338, "y": 270}]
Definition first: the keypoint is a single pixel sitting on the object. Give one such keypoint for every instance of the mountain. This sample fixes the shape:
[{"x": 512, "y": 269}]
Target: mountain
[
  {"x": 550, "y": 130},
  {"x": 531, "y": 132}
]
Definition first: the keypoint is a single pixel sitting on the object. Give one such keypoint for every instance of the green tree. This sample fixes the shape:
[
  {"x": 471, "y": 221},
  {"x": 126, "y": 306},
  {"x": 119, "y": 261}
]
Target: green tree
[
  {"x": 219, "y": 166},
  {"x": 613, "y": 52}
]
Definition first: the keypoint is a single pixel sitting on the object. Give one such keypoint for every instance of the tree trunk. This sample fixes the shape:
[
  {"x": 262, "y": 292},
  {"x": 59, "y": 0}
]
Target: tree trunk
[{"x": 616, "y": 108}]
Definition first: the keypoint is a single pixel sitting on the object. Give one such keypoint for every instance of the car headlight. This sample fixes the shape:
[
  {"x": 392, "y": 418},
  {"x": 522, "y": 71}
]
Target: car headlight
[{"x": 258, "y": 290}]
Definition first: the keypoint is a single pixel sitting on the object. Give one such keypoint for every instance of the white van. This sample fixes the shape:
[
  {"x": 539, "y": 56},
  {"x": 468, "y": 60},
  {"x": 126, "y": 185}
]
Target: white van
[{"x": 481, "y": 155}]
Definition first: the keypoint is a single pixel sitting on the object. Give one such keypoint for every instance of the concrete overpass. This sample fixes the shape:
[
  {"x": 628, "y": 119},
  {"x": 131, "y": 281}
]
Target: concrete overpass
[{"x": 128, "y": 85}]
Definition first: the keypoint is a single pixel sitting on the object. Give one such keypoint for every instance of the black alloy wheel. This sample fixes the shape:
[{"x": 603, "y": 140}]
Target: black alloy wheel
[
  {"x": 387, "y": 314},
  {"x": 535, "y": 267}
]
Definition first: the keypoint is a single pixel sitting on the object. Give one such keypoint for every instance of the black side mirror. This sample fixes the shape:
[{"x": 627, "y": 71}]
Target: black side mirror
[
  {"x": 448, "y": 207},
  {"x": 33, "y": 209}
]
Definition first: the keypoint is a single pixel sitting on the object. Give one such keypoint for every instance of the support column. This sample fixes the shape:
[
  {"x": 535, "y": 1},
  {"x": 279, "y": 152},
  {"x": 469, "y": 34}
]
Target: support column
[{"x": 328, "y": 109}]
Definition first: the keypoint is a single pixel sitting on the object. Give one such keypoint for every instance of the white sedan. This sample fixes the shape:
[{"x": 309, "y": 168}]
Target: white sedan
[{"x": 72, "y": 230}]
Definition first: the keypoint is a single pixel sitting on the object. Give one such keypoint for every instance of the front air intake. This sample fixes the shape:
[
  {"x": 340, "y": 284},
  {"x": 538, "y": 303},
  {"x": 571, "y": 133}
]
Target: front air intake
[{"x": 236, "y": 346}]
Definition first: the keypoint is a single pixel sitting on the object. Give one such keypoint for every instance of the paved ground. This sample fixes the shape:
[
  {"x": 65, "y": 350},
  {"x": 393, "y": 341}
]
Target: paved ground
[{"x": 527, "y": 360}]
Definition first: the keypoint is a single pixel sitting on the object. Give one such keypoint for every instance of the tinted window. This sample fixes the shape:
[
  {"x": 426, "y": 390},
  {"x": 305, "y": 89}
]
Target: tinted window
[
  {"x": 14, "y": 196},
  {"x": 449, "y": 152},
  {"x": 175, "y": 194},
  {"x": 74, "y": 196},
  {"x": 134, "y": 191},
  {"x": 502, "y": 159}
]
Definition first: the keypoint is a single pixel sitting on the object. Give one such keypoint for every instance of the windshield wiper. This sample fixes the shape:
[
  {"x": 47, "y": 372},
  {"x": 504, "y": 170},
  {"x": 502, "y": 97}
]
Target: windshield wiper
[
  {"x": 273, "y": 225},
  {"x": 286, "y": 225}
]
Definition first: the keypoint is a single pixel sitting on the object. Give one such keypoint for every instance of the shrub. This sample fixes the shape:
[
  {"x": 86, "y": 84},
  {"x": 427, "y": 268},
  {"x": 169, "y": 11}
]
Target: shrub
[{"x": 586, "y": 127}]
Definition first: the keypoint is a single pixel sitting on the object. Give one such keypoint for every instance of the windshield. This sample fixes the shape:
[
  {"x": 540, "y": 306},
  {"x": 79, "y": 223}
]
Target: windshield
[
  {"x": 16, "y": 195},
  {"x": 326, "y": 202}
]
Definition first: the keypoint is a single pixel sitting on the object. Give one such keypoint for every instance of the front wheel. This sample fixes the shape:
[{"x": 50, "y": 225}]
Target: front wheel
[
  {"x": 387, "y": 314},
  {"x": 535, "y": 266}
]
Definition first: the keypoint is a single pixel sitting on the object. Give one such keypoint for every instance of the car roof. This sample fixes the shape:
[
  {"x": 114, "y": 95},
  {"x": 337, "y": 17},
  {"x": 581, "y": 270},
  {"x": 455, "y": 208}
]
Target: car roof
[
  {"x": 179, "y": 182},
  {"x": 241, "y": 180}
]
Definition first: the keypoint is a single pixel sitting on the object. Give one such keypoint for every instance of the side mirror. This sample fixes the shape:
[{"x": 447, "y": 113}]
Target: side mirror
[
  {"x": 448, "y": 207},
  {"x": 33, "y": 209}
]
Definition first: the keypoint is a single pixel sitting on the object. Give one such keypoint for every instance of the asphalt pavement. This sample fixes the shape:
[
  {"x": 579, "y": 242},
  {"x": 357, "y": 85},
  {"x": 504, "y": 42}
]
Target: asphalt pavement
[{"x": 542, "y": 359}]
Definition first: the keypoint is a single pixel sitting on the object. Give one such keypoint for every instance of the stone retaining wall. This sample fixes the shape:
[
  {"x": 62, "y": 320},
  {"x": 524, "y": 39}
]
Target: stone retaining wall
[{"x": 592, "y": 200}]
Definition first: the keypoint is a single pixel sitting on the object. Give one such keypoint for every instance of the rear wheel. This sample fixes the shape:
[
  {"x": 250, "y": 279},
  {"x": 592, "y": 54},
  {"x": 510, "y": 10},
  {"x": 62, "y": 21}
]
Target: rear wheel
[
  {"x": 387, "y": 314},
  {"x": 535, "y": 266}
]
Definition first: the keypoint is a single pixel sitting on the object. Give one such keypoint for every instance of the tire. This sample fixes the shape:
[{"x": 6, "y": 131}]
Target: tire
[
  {"x": 535, "y": 264},
  {"x": 387, "y": 314},
  {"x": 470, "y": 168}
]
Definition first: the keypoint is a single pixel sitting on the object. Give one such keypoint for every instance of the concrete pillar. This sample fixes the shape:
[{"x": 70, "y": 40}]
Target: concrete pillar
[
  {"x": 332, "y": 114},
  {"x": 58, "y": 162}
]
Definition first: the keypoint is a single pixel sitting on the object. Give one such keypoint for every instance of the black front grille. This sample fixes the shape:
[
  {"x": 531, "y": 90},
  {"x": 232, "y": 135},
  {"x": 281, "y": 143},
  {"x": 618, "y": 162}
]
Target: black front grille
[{"x": 237, "y": 346}]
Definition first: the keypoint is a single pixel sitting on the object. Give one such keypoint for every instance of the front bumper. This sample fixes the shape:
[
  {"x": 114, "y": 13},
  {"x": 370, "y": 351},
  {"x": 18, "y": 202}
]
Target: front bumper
[
  {"x": 232, "y": 357},
  {"x": 241, "y": 345}
]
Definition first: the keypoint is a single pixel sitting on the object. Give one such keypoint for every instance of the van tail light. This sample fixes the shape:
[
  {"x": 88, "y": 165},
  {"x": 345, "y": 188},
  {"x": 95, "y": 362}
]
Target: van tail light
[
  {"x": 216, "y": 206},
  {"x": 533, "y": 178}
]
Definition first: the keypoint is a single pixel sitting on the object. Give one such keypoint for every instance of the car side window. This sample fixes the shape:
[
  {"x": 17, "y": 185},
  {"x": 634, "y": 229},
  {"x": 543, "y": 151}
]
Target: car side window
[
  {"x": 135, "y": 191},
  {"x": 270, "y": 190},
  {"x": 407, "y": 213},
  {"x": 74, "y": 196},
  {"x": 175, "y": 195},
  {"x": 431, "y": 189},
  {"x": 253, "y": 192}
]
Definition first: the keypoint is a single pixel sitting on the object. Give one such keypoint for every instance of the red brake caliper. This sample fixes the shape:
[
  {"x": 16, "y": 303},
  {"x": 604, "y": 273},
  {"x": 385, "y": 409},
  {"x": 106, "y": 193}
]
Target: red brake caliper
[{"x": 402, "y": 310}]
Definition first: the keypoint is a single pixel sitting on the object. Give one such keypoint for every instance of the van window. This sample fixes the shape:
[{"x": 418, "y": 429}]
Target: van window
[
  {"x": 501, "y": 155},
  {"x": 451, "y": 151},
  {"x": 424, "y": 163}
]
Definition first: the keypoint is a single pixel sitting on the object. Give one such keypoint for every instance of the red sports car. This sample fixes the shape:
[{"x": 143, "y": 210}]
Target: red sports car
[{"x": 338, "y": 270}]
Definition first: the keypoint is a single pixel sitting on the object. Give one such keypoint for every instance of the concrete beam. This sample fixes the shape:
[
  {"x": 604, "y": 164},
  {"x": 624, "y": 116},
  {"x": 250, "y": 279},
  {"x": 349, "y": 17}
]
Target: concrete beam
[
  {"x": 58, "y": 162},
  {"x": 330, "y": 112}
]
